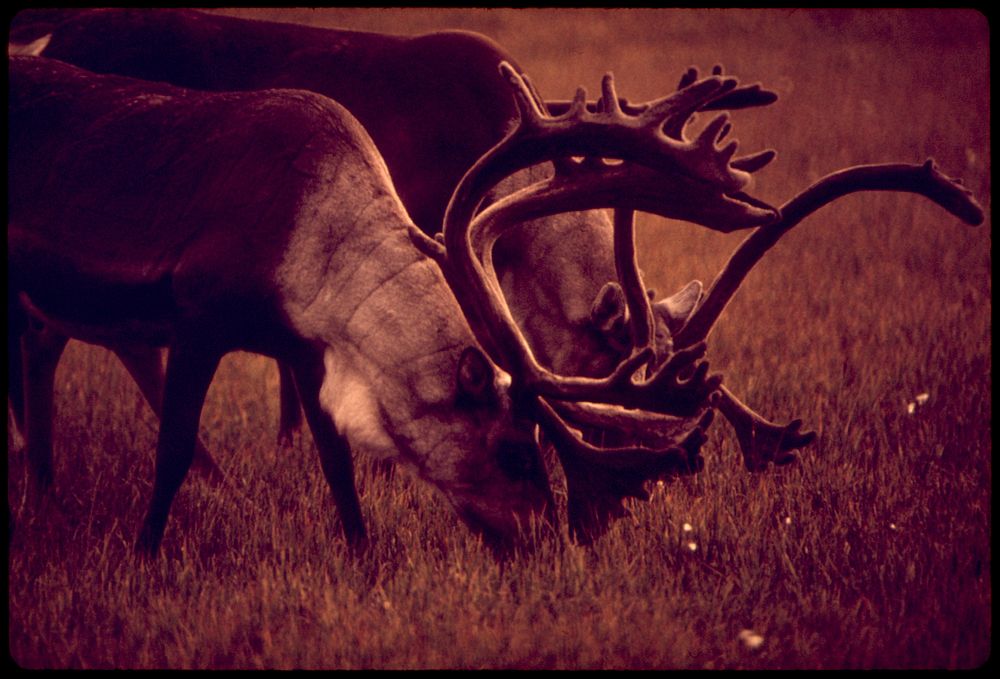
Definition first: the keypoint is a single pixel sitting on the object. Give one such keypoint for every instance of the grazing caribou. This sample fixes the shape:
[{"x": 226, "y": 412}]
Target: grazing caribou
[{"x": 147, "y": 215}]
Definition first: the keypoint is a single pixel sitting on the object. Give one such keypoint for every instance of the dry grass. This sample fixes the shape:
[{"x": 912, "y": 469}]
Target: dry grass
[{"x": 873, "y": 552}]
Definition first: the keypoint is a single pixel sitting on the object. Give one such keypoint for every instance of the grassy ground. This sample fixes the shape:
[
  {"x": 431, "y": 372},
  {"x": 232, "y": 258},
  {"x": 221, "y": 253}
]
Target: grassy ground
[{"x": 872, "y": 552}]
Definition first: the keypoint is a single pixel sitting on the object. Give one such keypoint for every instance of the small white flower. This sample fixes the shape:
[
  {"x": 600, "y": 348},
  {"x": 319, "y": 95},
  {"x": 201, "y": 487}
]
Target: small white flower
[
  {"x": 687, "y": 528},
  {"x": 918, "y": 401},
  {"x": 893, "y": 526},
  {"x": 750, "y": 639},
  {"x": 692, "y": 546},
  {"x": 788, "y": 521}
]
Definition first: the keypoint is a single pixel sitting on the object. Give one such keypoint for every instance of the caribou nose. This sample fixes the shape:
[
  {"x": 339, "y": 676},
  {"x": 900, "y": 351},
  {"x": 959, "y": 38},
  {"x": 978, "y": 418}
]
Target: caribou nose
[
  {"x": 517, "y": 534},
  {"x": 520, "y": 459}
]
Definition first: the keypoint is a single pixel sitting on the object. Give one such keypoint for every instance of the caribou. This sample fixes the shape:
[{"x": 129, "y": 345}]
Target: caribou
[
  {"x": 566, "y": 300},
  {"x": 147, "y": 215}
]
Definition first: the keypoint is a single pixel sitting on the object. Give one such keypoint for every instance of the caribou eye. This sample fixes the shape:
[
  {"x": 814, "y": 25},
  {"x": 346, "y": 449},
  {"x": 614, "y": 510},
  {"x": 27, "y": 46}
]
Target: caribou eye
[{"x": 475, "y": 378}]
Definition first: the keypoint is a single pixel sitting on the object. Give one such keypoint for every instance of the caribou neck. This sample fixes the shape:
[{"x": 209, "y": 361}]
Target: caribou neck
[{"x": 386, "y": 367}]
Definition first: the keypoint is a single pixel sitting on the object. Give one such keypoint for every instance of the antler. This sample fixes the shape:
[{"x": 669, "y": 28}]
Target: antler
[
  {"x": 660, "y": 174},
  {"x": 925, "y": 180},
  {"x": 638, "y": 140},
  {"x": 609, "y": 131}
]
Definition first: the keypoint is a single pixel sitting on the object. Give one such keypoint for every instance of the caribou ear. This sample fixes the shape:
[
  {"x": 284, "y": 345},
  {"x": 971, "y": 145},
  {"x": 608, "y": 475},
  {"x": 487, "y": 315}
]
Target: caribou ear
[
  {"x": 475, "y": 376},
  {"x": 676, "y": 309},
  {"x": 607, "y": 313}
]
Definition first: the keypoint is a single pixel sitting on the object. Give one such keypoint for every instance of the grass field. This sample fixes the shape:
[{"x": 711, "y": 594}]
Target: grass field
[{"x": 872, "y": 552}]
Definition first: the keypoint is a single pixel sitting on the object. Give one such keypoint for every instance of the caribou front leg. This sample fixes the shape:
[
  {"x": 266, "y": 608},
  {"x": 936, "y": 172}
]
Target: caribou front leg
[
  {"x": 762, "y": 441},
  {"x": 334, "y": 451},
  {"x": 146, "y": 368},
  {"x": 190, "y": 368}
]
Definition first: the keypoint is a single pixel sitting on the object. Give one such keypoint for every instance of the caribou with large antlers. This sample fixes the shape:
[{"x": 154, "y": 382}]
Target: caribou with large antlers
[
  {"x": 148, "y": 215},
  {"x": 710, "y": 179}
]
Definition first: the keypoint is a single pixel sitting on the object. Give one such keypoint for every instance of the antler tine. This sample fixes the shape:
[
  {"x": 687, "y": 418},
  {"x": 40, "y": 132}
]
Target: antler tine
[
  {"x": 689, "y": 77},
  {"x": 754, "y": 161},
  {"x": 924, "y": 179},
  {"x": 748, "y": 96},
  {"x": 627, "y": 266},
  {"x": 676, "y": 109},
  {"x": 713, "y": 133},
  {"x": 530, "y": 106},
  {"x": 533, "y": 91},
  {"x": 762, "y": 441},
  {"x": 609, "y": 99}
]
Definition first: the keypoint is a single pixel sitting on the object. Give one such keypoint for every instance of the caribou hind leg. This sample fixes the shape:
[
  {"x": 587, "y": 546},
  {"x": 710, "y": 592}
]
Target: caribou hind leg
[
  {"x": 16, "y": 322},
  {"x": 41, "y": 348},
  {"x": 291, "y": 413}
]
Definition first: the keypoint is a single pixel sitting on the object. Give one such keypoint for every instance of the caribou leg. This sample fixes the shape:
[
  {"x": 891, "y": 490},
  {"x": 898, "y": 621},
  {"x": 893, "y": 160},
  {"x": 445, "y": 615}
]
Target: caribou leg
[
  {"x": 146, "y": 368},
  {"x": 334, "y": 451},
  {"x": 762, "y": 441},
  {"x": 16, "y": 323},
  {"x": 41, "y": 348},
  {"x": 190, "y": 367}
]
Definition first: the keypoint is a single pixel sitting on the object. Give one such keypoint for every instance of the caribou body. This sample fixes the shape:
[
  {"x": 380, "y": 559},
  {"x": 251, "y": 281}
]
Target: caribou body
[{"x": 143, "y": 214}]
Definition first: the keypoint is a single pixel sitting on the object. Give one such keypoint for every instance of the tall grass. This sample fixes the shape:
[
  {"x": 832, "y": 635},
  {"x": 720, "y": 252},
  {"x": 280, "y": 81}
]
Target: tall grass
[{"x": 872, "y": 552}]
